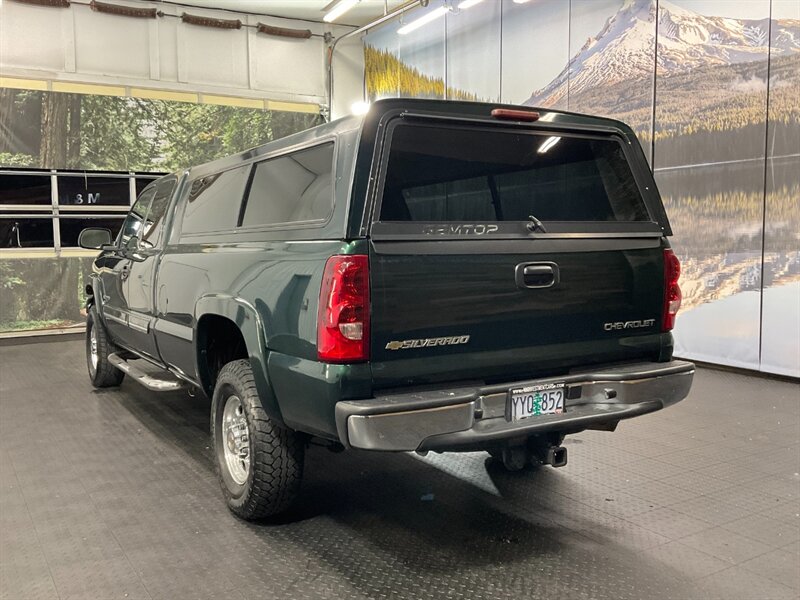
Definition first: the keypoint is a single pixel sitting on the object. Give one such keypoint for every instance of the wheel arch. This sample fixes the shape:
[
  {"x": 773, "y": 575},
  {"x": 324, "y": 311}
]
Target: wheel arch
[{"x": 229, "y": 328}]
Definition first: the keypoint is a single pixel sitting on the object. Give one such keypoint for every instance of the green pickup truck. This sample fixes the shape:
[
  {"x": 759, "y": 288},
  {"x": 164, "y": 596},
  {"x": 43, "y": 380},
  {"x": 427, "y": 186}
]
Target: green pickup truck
[{"x": 432, "y": 276}]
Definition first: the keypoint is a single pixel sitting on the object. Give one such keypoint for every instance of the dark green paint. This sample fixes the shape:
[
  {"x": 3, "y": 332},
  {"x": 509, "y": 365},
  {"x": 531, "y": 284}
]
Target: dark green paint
[{"x": 266, "y": 284}]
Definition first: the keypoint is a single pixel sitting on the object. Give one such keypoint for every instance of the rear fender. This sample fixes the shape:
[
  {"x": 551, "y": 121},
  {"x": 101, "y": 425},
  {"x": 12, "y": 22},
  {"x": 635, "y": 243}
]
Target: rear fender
[{"x": 251, "y": 325}]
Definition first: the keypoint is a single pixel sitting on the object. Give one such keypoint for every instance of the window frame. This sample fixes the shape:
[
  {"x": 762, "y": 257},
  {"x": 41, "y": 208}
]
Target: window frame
[{"x": 504, "y": 229}]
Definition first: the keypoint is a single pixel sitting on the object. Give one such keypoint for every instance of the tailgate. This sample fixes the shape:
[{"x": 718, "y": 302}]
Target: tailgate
[{"x": 492, "y": 259}]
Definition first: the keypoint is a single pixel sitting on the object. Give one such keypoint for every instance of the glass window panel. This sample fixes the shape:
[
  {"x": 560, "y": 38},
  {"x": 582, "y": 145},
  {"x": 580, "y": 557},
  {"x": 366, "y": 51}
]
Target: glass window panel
[
  {"x": 157, "y": 213},
  {"x": 450, "y": 174},
  {"x": 93, "y": 191},
  {"x": 214, "y": 201},
  {"x": 143, "y": 182},
  {"x": 25, "y": 189},
  {"x": 70, "y": 228},
  {"x": 132, "y": 227},
  {"x": 293, "y": 188},
  {"x": 26, "y": 232}
]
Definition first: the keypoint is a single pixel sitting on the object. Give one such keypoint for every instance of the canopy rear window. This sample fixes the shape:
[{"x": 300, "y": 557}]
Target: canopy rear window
[{"x": 439, "y": 173}]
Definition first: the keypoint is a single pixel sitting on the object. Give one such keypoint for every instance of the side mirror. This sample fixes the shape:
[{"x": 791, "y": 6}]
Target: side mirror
[{"x": 94, "y": 238}]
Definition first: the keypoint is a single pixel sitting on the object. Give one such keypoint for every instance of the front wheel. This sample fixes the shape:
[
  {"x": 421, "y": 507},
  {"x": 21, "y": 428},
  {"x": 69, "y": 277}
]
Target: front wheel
[
  {"x": 98, "y": 346},
  {"x": 260, "y": 463}
]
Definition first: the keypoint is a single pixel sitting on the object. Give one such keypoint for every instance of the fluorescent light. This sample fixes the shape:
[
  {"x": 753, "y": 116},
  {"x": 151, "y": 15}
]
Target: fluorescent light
[
  {"x": 431, "y": 16},
  {"x": 468, "y": 3},
  {"x": 338, "y": 10},
  {"x": 548, "y": 143},
  {"x": 359, "y": 108},
  {"x": 521, "y": 1}
]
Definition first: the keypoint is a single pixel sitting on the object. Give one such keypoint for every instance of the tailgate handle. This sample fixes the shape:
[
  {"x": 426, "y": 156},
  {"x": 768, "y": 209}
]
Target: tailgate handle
[{"x": 536, "y": 275}]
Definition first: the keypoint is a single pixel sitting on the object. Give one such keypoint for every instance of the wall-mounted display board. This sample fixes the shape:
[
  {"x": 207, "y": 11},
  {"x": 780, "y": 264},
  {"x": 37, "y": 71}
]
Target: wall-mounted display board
[{"x": 42, "y": 212}]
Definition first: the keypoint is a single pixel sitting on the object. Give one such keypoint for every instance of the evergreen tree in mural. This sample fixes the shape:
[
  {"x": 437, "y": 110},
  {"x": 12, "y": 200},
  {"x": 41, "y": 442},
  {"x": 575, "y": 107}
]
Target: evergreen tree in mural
[{"x": 388, "y": 76}]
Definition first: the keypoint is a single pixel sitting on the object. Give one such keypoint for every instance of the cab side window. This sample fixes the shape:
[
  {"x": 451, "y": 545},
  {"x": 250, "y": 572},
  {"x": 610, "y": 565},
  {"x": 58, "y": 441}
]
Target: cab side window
[
  {"x": 154, "y": 221},
  {"x": 134, "y": 222}
]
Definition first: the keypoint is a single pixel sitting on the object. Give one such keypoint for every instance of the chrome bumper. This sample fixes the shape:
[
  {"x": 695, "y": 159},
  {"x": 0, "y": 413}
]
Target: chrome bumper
[{"x": 470, "y": 416}]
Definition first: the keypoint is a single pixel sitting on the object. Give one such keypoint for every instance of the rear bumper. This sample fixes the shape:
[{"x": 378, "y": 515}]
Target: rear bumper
[{"x": 462, "y": 417}]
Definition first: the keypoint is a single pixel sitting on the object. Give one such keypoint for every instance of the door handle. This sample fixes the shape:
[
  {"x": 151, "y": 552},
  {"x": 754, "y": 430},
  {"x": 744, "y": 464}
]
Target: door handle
[{"x": 536, "y": 275}]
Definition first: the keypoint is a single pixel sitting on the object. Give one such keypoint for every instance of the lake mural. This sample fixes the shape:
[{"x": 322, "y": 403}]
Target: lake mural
[{"x": 712, "y": 89}]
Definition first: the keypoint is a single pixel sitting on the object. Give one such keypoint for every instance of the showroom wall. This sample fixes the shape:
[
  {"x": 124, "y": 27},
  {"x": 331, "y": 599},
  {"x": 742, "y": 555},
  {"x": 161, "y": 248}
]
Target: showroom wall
[
  {"x": 712, "y": 89},
  {"x": 107, "y": 101}
]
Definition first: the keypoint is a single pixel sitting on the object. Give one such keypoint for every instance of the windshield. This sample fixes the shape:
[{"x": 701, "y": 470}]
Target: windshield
[{"x": 438, "y": 173}]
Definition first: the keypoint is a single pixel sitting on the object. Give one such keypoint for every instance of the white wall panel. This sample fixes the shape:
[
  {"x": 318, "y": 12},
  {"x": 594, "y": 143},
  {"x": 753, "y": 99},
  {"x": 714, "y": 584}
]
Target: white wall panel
[
  {"x": 212, "y": 56},
  {"x": 31, "y": 36},
  {"x": 107, "y": 44},
  {"x": 289, "y": 65},
  {"x": 77, "y": 44},
  {"x": 168, "y": 47},
  {"x": 348, "y": 76}
]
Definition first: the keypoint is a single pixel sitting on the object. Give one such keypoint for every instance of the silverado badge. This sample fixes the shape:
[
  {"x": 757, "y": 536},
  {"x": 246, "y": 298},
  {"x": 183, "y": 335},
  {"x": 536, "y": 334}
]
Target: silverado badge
[{"x": 428, "y": 342}]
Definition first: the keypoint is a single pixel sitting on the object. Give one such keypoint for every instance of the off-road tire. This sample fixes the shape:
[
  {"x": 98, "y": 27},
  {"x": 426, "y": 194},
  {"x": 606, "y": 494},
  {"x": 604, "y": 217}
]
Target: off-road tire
[
  {"x": 276, "y": 453},
  {"x": 104, "y": 374}
]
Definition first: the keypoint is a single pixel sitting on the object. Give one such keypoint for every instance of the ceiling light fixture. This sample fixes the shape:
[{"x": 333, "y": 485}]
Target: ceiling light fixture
[
  {"x": 521, "y": 1},
  {"x": 424, "y": 19},
  {"x": 338, "y": 9},
  {"x": 468, "y": 3}
]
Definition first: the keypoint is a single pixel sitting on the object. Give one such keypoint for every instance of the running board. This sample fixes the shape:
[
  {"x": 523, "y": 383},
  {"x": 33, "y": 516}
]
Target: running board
[{"x": 148, "y": 381}]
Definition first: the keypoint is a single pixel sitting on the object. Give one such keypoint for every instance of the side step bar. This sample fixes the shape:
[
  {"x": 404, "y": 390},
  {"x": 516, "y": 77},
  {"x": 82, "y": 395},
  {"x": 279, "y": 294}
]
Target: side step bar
[{"x": 148, "y": 381}]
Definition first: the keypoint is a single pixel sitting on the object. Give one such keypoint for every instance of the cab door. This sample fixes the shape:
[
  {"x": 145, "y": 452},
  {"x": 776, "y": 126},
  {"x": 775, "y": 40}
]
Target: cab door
[
  {"x": 138, "y": 285},
  {"x": 114, "y": 270}
]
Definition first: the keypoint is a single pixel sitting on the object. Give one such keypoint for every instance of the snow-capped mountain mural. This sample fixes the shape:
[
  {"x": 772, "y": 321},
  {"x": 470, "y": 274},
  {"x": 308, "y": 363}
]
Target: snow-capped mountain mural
[
  {"x": 714, "y": 98},
  {"x": 623, "y": 49}
]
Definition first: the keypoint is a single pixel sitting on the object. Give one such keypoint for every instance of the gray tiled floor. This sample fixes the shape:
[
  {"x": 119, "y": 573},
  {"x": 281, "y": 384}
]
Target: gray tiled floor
[{"x": 112, "y": 495}]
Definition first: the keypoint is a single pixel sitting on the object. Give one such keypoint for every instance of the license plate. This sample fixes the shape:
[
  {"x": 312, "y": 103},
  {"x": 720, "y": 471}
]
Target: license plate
[{"x": 535, "y": 400}]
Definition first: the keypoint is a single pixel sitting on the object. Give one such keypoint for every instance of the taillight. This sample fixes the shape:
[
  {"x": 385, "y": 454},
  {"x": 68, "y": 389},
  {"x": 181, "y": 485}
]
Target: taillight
[
  {"x": 343, "y": 316},
  {"x": 672, "y": 291}
]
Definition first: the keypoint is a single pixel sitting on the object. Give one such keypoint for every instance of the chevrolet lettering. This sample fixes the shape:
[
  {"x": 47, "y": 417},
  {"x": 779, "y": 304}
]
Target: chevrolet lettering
[
  {"x": 431, "y": 276},
  {"x": 629, "y": 324}
]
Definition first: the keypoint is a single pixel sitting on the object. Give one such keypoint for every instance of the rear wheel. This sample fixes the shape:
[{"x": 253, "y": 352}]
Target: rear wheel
[
  {"x": 260, "y": 463},
  {"x": 98, "y": 346}
]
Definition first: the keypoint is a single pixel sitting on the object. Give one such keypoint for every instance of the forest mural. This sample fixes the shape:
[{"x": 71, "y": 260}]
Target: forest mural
[
  {"x": 51, "y": 130},
  {"x": 55, "y": 130},
  {"x": 712, "y": 89}
]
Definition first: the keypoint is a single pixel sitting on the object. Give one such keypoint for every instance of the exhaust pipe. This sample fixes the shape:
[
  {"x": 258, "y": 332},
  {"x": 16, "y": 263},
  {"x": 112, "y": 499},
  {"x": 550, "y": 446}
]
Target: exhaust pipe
[{"x": 555, "y": 456}]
